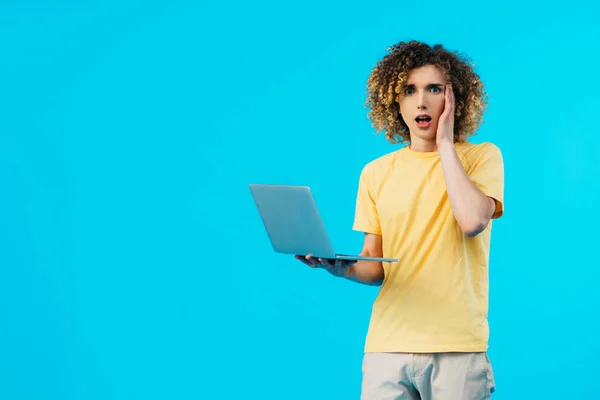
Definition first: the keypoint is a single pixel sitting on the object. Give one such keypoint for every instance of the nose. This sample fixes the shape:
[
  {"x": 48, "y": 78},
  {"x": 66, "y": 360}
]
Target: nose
[{"x": 421, "y": 104}]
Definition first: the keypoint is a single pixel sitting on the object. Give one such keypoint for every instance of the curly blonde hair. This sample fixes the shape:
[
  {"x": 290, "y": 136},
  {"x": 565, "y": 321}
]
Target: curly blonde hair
[{"x": 390, "y": 74}]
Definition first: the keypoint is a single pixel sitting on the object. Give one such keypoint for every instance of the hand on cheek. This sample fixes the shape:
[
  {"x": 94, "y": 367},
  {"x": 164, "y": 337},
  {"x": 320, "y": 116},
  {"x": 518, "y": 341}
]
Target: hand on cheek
[{"x": 445, "y": 129}]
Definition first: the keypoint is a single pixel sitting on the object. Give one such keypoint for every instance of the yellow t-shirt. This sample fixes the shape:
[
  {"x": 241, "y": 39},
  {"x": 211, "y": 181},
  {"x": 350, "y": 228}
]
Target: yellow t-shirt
[{"x": 435, "y": 298}]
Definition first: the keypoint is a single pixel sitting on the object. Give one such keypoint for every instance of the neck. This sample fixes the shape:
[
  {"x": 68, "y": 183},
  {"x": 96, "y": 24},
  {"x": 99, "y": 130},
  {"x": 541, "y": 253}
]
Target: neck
[{"x": 422, "y": 145}]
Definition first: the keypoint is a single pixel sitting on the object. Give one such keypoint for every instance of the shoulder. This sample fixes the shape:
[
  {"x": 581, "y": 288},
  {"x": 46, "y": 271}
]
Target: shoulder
[
  {"x": 381, "y": 164},
  {"x": 472, "y": 152}
]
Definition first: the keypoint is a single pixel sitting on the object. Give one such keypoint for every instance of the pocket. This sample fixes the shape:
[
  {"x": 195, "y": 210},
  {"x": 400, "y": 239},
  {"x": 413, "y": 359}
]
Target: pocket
[{"x": 489, "y": 375}]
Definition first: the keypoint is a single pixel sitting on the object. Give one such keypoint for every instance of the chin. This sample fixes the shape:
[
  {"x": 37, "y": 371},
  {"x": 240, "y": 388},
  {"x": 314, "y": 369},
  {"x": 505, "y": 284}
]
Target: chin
[{"x": 429, "y": 134}]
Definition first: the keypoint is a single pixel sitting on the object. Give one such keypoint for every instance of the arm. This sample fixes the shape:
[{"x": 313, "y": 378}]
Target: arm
[
  {"x": 471, "y": 207},
  {"x": 366, "y": 220},
  {"x": 368, "y": 272},
  {"x": 365, "y": 272}
]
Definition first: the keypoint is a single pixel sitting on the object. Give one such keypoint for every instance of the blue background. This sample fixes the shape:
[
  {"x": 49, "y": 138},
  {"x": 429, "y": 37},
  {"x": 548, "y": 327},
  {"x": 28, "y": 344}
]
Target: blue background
[{"x": 133, "y": 262}]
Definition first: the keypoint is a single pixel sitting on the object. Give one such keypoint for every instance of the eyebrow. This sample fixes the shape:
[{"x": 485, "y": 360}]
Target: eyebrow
[{"x": 431, "y": 85}]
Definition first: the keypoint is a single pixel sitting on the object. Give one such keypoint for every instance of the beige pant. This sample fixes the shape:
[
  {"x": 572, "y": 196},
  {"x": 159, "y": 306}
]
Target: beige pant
[{"x": 436, "y": 376}]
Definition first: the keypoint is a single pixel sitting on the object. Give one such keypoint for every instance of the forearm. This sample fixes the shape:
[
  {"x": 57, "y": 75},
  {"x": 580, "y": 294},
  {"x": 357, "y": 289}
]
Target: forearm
[
  {"x": 470, "y": 206},
  {"x": 365, "y": 272}
]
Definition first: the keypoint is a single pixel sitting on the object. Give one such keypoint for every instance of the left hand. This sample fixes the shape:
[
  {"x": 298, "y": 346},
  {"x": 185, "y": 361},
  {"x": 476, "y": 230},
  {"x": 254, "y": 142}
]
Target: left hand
[
  {"x": 336, "y": 268},
  {"x": 445, "y": 130}
]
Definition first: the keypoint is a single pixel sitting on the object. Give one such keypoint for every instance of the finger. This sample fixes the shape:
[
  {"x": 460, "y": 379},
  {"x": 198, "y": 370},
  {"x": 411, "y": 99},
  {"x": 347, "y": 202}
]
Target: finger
[
  {"x": 449, "y": 103},
  {"x": 446, "y": 110},
  {"x": 303, "y": 260},
  {"x": 314, "y": 262},
  {"x": 326, "y": 262},
  {"x": 307, "y": 260}
]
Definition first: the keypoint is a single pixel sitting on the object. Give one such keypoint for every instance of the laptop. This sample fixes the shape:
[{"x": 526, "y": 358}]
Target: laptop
[{"x": 293, "y": 223}]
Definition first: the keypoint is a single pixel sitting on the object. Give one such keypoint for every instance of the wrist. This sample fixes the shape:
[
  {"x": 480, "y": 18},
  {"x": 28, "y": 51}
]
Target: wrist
[
  {"x": 444, "y": 144},
  {"x": 348, "y": 272},
  {"x": 445, "y": 147}
]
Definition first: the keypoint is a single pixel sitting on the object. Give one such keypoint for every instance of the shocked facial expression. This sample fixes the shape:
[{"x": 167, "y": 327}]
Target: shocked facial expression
[{"x": 422, "y": 102}]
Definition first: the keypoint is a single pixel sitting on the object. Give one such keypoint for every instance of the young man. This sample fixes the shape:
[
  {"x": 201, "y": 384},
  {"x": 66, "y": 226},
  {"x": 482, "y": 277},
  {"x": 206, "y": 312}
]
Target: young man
[{"x": 430, "y": 205}]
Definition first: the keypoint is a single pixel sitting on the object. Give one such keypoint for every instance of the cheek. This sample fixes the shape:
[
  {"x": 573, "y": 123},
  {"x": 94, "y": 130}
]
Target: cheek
[
  {"x": 405, "y": 118},
  {"x": 405, "y": 107},
  {"x": 438, "y": 105}
]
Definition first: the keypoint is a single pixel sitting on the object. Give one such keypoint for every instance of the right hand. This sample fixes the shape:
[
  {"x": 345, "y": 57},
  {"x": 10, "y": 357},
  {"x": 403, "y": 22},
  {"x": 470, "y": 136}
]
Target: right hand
[{"x": 337, "y": 268}]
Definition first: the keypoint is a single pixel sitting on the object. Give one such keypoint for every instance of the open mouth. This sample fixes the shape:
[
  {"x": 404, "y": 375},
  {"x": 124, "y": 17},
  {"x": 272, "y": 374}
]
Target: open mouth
[{"x": 423, "y": 121}]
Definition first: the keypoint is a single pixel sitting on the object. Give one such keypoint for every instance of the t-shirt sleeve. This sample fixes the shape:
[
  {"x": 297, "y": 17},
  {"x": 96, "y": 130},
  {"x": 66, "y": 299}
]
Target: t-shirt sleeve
[
  {"x": 488, "y": 175},
  {"x": 366, "y": 218}
]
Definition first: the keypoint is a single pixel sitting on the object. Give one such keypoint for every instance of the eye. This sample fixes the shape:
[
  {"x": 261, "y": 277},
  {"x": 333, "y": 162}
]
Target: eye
[
  {"x": 435, "y": 89},
  {"x": 409, "y": 91}
]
